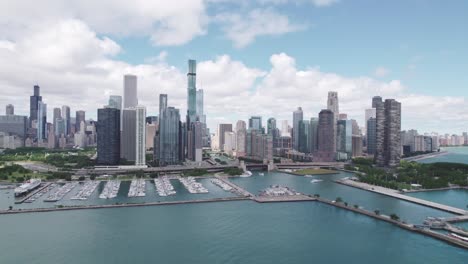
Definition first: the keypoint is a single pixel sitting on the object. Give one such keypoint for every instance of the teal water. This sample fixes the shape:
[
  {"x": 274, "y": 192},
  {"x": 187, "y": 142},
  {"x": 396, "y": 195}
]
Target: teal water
[
  {"x": 455, "y": 154},
  {"x": 329, "y": 189},
  {"x": 230, "y": 232},
  {"x": 456, "y": 198}
]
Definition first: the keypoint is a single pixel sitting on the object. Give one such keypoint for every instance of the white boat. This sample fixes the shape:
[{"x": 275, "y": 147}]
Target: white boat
[
  {"x": 246, "y": 174},
  {"x": 27, "y": 187},
  {"x": 261, "y": 174},
  {"x": 308, "y": 176},
  {"x": 315, "y": 180}
]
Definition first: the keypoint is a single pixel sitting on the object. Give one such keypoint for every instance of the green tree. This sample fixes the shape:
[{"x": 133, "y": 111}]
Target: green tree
[
  {"x": 338, "y": 200},
  {"x": 394, "y": 217},
  {"x": 377, "y": 212}
]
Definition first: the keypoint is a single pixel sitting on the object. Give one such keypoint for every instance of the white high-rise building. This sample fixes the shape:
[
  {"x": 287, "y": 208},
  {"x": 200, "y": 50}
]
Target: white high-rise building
[
  {"x": 229, "y": 142},
  {"x": 130, "y": 91},
  {"x": 140, "y": 145},
  {"x": 285, "y": 129}
]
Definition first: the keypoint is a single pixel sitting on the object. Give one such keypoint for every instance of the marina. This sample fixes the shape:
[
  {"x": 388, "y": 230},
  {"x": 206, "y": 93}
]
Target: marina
[
  {"x": 192, "y": 185},
  {"x": 137, "y": 188},
  {"x": 110, "y": 189},
  {"x": 41, "y": 192},
  {"x": 86, "y": 190},
  {"x": 164, "y": 186},
  {"x": 222, "y": 185},
  {"x": 59, "y": 193}
]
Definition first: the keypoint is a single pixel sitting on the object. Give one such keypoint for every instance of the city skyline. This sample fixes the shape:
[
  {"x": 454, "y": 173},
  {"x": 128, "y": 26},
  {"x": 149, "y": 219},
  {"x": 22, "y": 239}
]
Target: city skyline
[{"x": 272, "y": 83}]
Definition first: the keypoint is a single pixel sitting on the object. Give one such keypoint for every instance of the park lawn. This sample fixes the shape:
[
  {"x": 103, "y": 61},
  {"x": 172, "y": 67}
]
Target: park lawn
[{"x": 312, "y": 171}]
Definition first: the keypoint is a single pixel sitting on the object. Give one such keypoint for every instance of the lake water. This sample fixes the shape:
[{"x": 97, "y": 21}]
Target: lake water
[{"x": 225, "y": 232}]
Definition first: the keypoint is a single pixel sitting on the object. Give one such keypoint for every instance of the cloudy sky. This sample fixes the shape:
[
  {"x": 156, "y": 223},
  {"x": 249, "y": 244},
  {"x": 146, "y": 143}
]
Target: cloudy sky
[{"x": 263, "y": 57}]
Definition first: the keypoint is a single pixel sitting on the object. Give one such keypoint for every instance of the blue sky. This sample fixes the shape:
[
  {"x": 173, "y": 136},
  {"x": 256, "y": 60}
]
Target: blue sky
[
  {"x": 262, "y": 57},
  {"x": 422, "y": 43}
]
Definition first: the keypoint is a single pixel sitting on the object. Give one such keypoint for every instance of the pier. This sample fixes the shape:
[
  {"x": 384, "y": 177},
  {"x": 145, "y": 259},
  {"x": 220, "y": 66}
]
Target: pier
[
  {"x": 236, "y": 187},
  {"x": 83, "y": 207},
  {"x": 456, "y": 219},
  {"x": 20, "y": 201},
  {"x": 398, "y": 195}
]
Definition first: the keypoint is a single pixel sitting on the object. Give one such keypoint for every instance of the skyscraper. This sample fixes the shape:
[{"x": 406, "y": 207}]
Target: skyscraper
[
  {"x": 66, "y": 118},
  {"x": 10, "y": 109},
  {"x": 194, "y": 138},
  {"x": 200, "y": 112},
  {"x": 241, "y": 133},
  {"x": 304, "y": 136},
  {"x": 80, "y": 116},
  {"x": 128, "y": 139},
  {"x": 140, "y": 136},
  {"x": 222, "y": 129},
  {"x": 371, "y": 136},
  {"x": 41, "y": 121},
  {"x": 368, "y": 115},
  {"x": 388, "y": 136},
  {"x": 255, "y": 122},
  {"x": 326, "y": 137},
  {"x": 297, "y": 117},
  {"x": 115, "y": 101},
  {"x": 344, "y": 137},
  {"x": 313, "y": 134},
  {"x": 285, "y": 129},
  {"x": 130, "y": 91},
  {"x": 169, "y": 126},
  {"x": 57, "y": 115},
  {"x": 271, "y": 125},
  {"x": 192, "y": 91},
  {"x": 332, "y": 104},
  {"x": 108, "y": 136},
  {"x": 34, "y": 104},
  {"x": 357, "y": 146}
]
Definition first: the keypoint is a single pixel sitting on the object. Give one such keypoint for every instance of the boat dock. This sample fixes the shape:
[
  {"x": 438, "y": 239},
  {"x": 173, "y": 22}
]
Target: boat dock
[
  {"x": 137, "y": 188},
  {"x": 19, "y": 201},
  {"x": 61, "y": 192},
  {"x": 237, "y": 188},
  {"x": 455, "y": 219},
  {"x": 398, "y": 195}
]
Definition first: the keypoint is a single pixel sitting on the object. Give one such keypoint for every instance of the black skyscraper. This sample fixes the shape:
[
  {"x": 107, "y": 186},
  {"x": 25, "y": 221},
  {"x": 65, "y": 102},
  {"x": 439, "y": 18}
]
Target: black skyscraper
[
  {"x": 108, "y": 136},
  {"x": 34, "y": 104}
]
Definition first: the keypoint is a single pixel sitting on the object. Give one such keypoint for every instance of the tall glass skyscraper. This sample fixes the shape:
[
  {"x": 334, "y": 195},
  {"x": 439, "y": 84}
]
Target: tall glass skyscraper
[
  {"x": 192, "y": 91},
  {"x": 313, "y": 134},
  {"x": 326, "y": 137},
  {"x": 200, "y": 111},
  {"x": 115, "y": 101},
  {"x": 297, "y": 117},
  {"x": 255, "y": 122},
  {"x": 66, "y": 118},
  {"x": 167, "y": 141},
  {"x": 41, "y": 121},
  {"x": 108, "y": 136},
  {"x": 80, "y": 116},
  {"x": 34, "y": 104}
]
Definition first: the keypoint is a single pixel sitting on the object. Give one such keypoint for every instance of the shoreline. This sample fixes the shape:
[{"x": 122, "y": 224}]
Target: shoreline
[{"x": 426, "y": 156}]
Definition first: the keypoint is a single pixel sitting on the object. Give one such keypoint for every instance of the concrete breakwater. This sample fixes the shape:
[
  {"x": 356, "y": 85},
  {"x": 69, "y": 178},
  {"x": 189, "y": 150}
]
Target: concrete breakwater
[{"x": 398, "y": 195}]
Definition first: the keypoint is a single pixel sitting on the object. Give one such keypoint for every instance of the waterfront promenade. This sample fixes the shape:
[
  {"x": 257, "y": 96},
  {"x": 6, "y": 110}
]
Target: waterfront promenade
[{"x": 398, "y": 195}]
